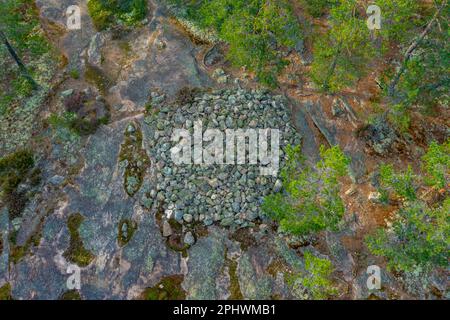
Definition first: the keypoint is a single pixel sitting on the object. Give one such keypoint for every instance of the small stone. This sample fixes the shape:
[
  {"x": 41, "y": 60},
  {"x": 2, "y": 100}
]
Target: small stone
[
  {"x": 189, "y": 239},
  {"x": 351, "y": 191},
  {"x": 278, "y": 186},
  {"x": 208, "y": 221},
  {"x": 187, "y": 217},
  {"x": 56, "y": 180},
  {"x": 375, "y": 197},
  {"x": 67, "y": 93},
  {"x": 167, "y": 229}
]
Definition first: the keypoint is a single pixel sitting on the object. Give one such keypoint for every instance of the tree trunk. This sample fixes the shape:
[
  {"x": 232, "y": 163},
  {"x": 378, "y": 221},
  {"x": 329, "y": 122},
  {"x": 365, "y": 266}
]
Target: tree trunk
[{"x": 22, "y": 68}]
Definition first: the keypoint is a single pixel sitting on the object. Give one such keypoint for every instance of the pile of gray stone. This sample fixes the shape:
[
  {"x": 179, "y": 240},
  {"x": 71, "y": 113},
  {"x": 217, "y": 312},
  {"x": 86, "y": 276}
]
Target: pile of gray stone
[{"x": 229, "y": 195}]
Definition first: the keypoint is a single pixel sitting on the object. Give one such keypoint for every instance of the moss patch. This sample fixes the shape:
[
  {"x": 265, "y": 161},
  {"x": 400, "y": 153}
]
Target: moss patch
[
  {"x": 76, "y": 252},
  {"x": 98, "y": 78},
  {"x": 235, "y": 289},
  {"x": 70, "y": 295},
  {"x": 127, "y": 228},
  {"x": 18, "y": 252},
  {"x": 168, "y": 288},
  {"x": 135, "y": 158},
  {"x": 244, "y": 237},
  {"x": 176, "y": 239},
  {"x": 5, "y": 292},
  {"x": 15, "y": 169}
]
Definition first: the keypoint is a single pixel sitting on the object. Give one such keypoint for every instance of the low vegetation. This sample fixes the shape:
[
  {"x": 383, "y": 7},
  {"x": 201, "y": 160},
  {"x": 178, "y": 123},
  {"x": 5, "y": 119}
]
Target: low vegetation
[
  {"x": 16, "y": 169},
  {"x": 20, "y": 24},
  {"x": 76, "y": 252},
  {"x": 317, "y": 283},
  {"x": 106, "y": 13},
  {"x": 256, "y": 31},
  {"x": 168, "y": 288},
  {"x": 418, "y": 238},
  {"x": 311, "y": 200}
]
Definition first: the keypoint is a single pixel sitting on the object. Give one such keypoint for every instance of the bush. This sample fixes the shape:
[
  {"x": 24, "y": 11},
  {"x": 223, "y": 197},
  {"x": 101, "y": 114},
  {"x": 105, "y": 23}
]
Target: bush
[
  {"x": 418, "y": 238},
  {"x": 105, "y": 13},
  {"x": 311, "y": 202},
  {"x": 317, "y": 281},
  {"x": 419, "y": 235},
  {"x": 255, "y": 31},
  {"x": 317, "y": 8},
  {"x": 401, "y": 183},
  {"x": 436, "y": 163}
]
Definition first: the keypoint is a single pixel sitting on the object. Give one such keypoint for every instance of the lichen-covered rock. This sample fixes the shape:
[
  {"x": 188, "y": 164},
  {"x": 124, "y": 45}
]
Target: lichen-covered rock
[
  {"x": 205, "y": 262},
  {"x": 254, "y": 286}
]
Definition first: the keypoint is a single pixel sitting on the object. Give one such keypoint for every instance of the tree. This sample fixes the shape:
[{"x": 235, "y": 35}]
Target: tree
[
  {"x": 341, "y": 55},
  {"x": 419, "y": 235},
  {"x": 419, "y": 238},
  {"x": 422, "y": 78},
  {"x": 411, "y": 49},
  {"x": 255, "y": 30},
  {"x": 311, "y": 201},
  {"x": 436, "y": 163}
]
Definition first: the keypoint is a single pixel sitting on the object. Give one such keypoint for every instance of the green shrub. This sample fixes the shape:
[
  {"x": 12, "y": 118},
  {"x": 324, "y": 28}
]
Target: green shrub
[
  {"x": 318, "y": 280},
  {"x": 5, "y": 292},
  {"x": 311, "y": 202},
  {"x": 317, "y": 8},
  {"x": 436, "y": 163},
  {"x": 105, "y": 13},
  {"x": 255, "y": 31},
  {"x": 419, "y": 235},
  {"x": 21, "y": 25},
  {"x": 402, "y": 184},
  {"x": 419, "y": 238}
]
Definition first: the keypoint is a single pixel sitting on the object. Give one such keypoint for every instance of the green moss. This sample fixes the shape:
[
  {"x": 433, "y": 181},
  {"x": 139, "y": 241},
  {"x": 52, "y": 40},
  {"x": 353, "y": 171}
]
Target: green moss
[
  {"x": 135, "y": 156},
  {"x": 98, "y": 78},
  {"x": 130, "y": 227},
  {"x": 168, "y": 288},
  {"x": 1, "y": 243},
  {"x": 244, "y": 237},
  {"x": 5, "y": 292},
  {"x": 76, "y": 252},
  {"x": 18, "y": 252},
  {"x": 15, "y": 169},
  {"x": 74, "y": 73},
  {"x": 235, "y": 289},
  {"x": 70, "y": 295},
  {"x": 79, "y": 126},
  {"x": 176, "y": 239}
]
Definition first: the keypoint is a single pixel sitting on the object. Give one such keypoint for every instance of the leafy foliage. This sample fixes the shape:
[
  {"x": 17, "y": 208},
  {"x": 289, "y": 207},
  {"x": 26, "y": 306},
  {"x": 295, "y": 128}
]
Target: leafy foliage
[
  {"x": 419, "y": 236},
  {"x": 436, "y": 163},
  {"x": 108, "y": 12},
  {"x": 255, "y": 31},
  {"x": 317, "y": 8},
  {"x": 342, "y": 54},
  {"x": 311, "y": 202},
  {"x": 317, "y": 281},
  {"x": 401, "y": 183}
]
